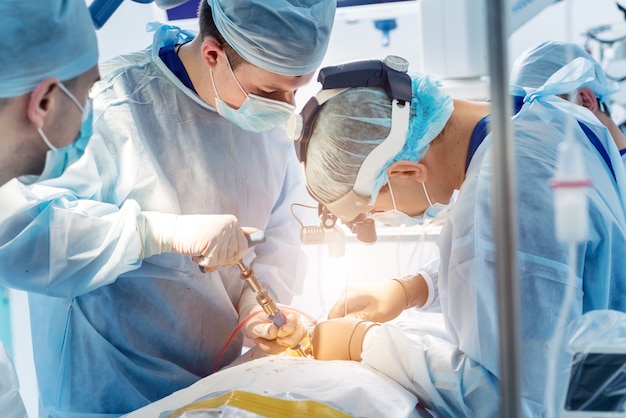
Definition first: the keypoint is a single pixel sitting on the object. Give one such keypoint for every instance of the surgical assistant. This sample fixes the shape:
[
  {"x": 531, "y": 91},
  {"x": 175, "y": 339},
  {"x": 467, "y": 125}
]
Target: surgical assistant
[
  {"x": 113, "y": 332},
  {"x": 535, "y": 66},
  {"x": 448, "y": 147},
  {"x": 44, "y": 112}
]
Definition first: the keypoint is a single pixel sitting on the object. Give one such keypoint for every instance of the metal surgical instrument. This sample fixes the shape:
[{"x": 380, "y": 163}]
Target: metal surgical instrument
[{"x": 263, "y": 298}]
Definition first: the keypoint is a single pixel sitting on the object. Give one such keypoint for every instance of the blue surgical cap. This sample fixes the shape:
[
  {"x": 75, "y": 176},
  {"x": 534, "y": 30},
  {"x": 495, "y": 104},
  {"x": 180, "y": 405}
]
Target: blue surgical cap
[
  {"x": 351, "y": 124},
  {"x": 535, "y": 66},
  {"x": 433, "y": 107},
  {"x": 40, "y": 39},
  {"x": 288, "y": 37}
]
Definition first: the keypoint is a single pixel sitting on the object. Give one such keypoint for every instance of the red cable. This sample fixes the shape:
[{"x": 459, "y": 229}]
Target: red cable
[{"x": 232, "y": 335}]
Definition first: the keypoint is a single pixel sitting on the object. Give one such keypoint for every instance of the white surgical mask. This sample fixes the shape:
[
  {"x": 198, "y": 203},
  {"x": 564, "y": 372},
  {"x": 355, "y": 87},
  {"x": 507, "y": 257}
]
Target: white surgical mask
[
  {"x": 58, "y": 159},
  {"x": 395, "y": 217},
  {"x": 433, "y": 208},
  {"x": 256, "y": 113}
]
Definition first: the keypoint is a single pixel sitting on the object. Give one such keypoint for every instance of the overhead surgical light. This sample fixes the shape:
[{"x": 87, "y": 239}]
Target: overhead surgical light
[{"x": 101, "y": 10}]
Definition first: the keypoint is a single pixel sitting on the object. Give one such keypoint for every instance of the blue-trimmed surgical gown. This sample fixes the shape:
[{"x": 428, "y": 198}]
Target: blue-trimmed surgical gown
[
  {"x": 456, "y": 372},
  {"x": 111, "y": 332}
]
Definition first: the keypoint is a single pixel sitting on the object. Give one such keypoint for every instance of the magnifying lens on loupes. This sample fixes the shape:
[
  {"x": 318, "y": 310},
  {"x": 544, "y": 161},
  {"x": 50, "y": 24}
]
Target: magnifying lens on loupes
[{"x": 263, "y": 298}]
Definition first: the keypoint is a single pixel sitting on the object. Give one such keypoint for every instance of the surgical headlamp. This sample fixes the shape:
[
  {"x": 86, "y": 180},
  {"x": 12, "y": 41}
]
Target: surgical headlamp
[
  {"x": 389, "y": 75},
  {"x": 101, "y": 10}
]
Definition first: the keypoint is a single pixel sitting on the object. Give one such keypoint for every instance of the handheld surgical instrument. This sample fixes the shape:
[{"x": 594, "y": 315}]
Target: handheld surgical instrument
[{"x": 264, "y": 299}]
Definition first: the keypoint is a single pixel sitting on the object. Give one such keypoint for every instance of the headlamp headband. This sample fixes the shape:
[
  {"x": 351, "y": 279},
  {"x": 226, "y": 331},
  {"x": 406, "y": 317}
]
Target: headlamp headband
[{"x": 389, "y": 75}]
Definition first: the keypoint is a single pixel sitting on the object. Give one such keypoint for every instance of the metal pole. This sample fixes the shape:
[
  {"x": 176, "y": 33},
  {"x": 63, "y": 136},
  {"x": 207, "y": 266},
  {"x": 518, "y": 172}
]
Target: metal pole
[{"x": 505, "y": 216}]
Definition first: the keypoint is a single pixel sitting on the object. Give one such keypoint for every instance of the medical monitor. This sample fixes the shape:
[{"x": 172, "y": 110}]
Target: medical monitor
[{"x": 596, "y": 386}]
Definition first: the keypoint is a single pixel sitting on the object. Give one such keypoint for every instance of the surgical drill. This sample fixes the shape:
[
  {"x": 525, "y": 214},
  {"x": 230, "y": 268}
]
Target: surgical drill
[{"x": 263, "y": 298}]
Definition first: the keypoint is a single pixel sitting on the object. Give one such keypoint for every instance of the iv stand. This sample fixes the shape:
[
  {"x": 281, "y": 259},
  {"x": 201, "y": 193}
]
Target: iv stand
[{"x": 505, "y": 215}]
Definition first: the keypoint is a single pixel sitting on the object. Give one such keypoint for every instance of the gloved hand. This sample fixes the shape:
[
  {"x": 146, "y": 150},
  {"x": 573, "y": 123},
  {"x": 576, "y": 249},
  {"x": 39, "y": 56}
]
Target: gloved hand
[
  {"x": 340, "y": 338},
  {"x": 213, "y": 241},
  {"x": 380, "y": 302},
  {"x": 267, "y": 336}
]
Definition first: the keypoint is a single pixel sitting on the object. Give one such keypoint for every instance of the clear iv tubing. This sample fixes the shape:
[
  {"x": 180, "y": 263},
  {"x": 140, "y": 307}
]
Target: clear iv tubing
[
  {"x": 568, "y": 299},
  {"x": 232, "y": 335},
  {"x": 572, "y": 228}
]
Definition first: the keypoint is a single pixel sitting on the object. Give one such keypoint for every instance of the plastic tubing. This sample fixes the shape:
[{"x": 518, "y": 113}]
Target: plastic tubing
[{"x": 571, "y": 216}]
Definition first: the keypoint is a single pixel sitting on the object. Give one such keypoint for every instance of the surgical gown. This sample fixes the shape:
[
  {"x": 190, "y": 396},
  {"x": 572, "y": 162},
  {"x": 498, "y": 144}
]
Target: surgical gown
[
  {"x": 457, "y": 374},
  {"x": 112, "y": 333}
]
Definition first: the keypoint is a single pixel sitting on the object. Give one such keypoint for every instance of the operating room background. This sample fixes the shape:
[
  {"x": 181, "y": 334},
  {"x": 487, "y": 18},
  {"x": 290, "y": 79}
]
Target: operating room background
[{"x": 399, "y": 251}]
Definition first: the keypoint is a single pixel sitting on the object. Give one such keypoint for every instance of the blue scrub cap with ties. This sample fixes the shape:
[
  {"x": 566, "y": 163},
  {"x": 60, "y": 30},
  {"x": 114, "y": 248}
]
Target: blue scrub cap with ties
[
  {"x": 287, "y": 37},
  {"x": 40, "y": 39},
  {"x": 536, "y": 65}
]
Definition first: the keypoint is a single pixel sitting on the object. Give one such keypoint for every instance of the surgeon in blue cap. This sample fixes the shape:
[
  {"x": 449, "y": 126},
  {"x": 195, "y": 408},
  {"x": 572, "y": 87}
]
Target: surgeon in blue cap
[
  {"x": 188, "y": 147},
  {"x": 448, "y": 147},
  {"x": 45, "y": 76},
  {"x": 537, "y": 64}
]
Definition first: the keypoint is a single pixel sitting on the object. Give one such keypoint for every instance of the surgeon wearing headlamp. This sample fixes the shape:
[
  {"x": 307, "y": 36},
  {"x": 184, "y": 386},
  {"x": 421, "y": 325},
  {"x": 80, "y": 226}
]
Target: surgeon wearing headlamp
[
  {"x": 188, "y": 148},
  {"x": 446, "y": 146}
]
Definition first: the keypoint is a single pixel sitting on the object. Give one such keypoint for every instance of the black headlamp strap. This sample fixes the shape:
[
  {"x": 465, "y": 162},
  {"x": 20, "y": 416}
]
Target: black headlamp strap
[
  {"x": 390, "y": 75},
  {"x": 309, "y": 115}
]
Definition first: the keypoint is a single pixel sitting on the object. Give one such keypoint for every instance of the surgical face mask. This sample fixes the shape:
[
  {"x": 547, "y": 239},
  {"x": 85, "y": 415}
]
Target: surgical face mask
[
  {"x": 256, "y": 113},
  {"x": 433, "y": 208},
  {"x": 58, "y": 159},
  {"x": 395, "y": 217}
]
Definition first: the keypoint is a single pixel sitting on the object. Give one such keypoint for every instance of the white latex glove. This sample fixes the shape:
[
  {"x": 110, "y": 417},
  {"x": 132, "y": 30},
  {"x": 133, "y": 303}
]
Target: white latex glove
[
  {"x": 213, "y": 241},
  {"x": 380, "y": 301},
  {"x": 340, "y": 338},
  {"x": 265, "y": 334}
]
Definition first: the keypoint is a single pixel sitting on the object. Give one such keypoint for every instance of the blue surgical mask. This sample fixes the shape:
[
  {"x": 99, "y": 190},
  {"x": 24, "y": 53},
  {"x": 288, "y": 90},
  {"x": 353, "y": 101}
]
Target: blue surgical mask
[
  {"x": 433, "y": 208},
  {"x": 58, "y": 159},
  {"x": 394, "y": 217},
  {"x": 256, "y": 113}
]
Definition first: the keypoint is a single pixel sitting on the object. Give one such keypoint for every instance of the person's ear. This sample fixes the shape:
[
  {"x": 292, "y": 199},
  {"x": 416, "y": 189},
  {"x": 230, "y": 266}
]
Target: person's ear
[
  {"x": 41, "y": 100},
  {"x": 588, "y": 99},
  {"x": 408, "y": 169},
  {"x": 211, "y": 49}
]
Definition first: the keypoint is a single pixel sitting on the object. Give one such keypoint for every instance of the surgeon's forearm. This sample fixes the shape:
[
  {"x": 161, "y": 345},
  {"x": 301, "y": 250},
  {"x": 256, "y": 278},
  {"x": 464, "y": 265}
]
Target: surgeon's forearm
[
  {"x": 68, "y": 247},
  {"x": 416, "y": 290}
]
